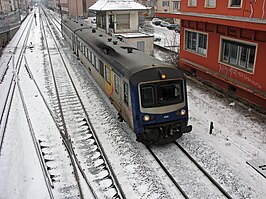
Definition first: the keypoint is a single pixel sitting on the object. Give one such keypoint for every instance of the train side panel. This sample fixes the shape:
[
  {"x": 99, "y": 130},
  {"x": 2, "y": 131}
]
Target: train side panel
[{"x": 111, "y": 82}]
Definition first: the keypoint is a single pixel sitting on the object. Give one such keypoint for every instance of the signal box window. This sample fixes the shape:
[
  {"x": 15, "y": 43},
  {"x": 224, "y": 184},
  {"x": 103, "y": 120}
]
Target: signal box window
[
  {"x": 192, "y": 2},
  {"x": 122, "y": 21},
  {"x": 147, "y": 96},
  {"x": 238, "y": 54},
  {"x": 141, "y": 46},
  {"x": 235, "y": 3},
  {"x": 126, "y": 93},
  {"x": 196, "y": 42}
]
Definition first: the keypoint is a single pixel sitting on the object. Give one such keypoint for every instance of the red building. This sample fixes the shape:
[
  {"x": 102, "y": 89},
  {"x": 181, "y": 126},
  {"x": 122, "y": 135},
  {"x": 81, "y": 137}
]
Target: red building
[{"x": 225, "y": 42}]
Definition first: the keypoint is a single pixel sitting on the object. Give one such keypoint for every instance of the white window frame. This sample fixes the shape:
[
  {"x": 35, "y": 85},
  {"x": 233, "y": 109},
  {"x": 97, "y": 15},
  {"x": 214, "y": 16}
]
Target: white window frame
[
  {"x": 198, "y": 50},
  {"x": 176, "y": 5},
  {"x": 165, "y": 3},
  {"x": 209, "y": 2},
  {"x": 230, "y": 2},
  {"x": 239, "y": 49},
  {"x": 192, "y": 3}
]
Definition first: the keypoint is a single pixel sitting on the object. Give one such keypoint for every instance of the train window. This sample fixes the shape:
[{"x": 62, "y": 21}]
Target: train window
[
  {"x": 147, "y": 96},
  {"x": 78, "y": 43},
  {"x": 116, "y": 82},
  {"x": 87, "y": 53},
  {"x": 90, "y": 57},
  {"x": 101, "y": 68},
  {"x": 126, "y": 93},
  {"x": 84, "y": 50},
  {"x": 108, "y": 74},
  {"x": 95, "y": 63},
  {"x": 170, "y": 93}
]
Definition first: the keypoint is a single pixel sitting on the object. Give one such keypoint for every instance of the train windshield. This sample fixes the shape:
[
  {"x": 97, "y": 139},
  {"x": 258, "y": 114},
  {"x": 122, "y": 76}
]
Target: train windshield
[{"x": 162, "y": 94}]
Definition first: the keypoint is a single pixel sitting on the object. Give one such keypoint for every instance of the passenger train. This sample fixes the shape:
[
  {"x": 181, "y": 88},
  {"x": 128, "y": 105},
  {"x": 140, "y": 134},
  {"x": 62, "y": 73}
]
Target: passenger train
[{"x": 148, "y": 94}]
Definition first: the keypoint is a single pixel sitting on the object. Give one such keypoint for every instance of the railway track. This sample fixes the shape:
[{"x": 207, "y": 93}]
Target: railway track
[
  {"x": 215, "y": 189},
  {"x": 87, "y": 157},
  {"x": 10, "y": 68}
]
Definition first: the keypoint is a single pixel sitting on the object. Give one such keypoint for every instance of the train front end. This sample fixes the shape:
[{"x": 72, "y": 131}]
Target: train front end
[{"x": 161, "y": 110}]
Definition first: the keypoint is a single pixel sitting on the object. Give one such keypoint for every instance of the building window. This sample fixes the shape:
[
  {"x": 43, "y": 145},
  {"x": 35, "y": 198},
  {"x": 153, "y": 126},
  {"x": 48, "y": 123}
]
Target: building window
[
  {"x": 210, "y": 3},
  {"x": 126, "y": 93},
  {"x": 196, "y": 42},
  {"x": 235, "y": 3},
  {"x": 165, "y": 3},
  {"x": 101, "y": 68},
  {"x": 123, "y": 21},
  {"x": 176, "y": 5},
  {"x": 116, "y": 82},
  {"x": 238, "y": 54},
  {"x": 108, "y": 74},
  {"x": 192, "y": 2},
  {"x": 141, "y": 46}
]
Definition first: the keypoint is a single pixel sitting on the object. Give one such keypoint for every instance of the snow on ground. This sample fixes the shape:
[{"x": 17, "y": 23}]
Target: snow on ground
[{"x": 238, "y": 136}]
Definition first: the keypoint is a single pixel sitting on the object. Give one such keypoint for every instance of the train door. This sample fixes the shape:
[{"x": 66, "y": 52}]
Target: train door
[
  {"x": 117, "y": 97},
  {"x": 74, "y": 47},
  {"x": 109, "y": 87},
  {"x": 126, "y": 103},
  {"x": 75, "y": 44}
]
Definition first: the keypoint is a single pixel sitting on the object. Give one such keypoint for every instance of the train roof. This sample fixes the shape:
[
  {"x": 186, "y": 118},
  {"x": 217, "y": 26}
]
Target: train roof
[{"x": 118, "y": 55}]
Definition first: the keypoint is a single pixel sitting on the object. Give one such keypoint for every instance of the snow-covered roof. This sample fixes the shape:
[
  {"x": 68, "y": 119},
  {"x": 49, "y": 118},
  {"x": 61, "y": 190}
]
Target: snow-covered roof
[{"x": 113, "y": 5}]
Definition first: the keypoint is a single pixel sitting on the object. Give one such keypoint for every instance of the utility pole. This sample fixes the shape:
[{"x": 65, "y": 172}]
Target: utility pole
[{"x": 77, "y": 9}]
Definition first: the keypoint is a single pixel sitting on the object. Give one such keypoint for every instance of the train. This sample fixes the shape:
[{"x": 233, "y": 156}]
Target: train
[{"x": 148, "y": 94}]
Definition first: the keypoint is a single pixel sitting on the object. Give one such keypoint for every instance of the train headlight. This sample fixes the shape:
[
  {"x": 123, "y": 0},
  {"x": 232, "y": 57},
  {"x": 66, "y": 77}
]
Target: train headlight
[
  {"x": 146, "y": 118},
  {"x": 183, "y": 112}
]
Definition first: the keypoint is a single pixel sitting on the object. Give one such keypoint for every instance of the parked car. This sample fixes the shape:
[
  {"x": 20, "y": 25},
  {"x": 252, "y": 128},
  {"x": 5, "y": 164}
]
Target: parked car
[
  {"x": 2, "y": 15},
  {"x": 177, "y": 30},
  {"x": 156, "y": 39},
  {"x": 164, "y": 24},
  {"x": 155, "y": 19},
  {"x": 172, "y": 26},
  {"x": 157, "y": 23}
]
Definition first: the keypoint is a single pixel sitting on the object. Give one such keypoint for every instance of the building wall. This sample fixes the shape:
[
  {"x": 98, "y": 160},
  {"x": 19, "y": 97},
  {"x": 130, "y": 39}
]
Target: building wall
[
  {"x": 148, "y": 42},
  {"x": 76, "y": 8},
  {"x": 168, "y": 5},
  {"x": 212, "y": 60},
  {"x": 223, "y": 8}
]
